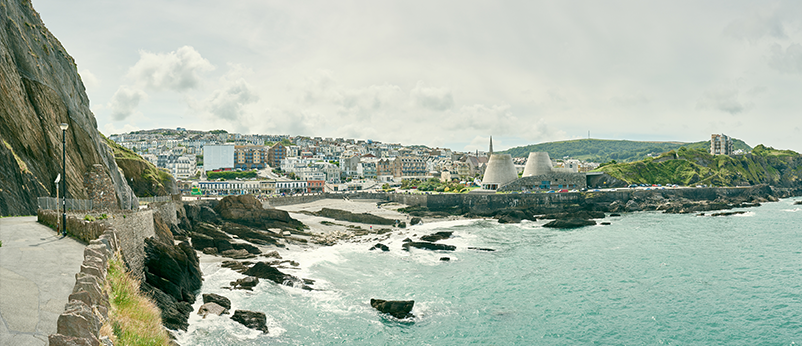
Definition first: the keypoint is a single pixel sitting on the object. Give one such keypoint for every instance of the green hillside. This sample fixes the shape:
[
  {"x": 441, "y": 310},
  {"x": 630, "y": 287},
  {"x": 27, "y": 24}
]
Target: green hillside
[
  {"x": 603, "y": 150},
  {"x": 764, "y": 165}
]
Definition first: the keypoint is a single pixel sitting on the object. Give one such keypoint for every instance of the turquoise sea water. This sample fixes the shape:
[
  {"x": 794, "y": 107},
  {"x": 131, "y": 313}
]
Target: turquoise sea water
[{"x": 647, "y": 279}]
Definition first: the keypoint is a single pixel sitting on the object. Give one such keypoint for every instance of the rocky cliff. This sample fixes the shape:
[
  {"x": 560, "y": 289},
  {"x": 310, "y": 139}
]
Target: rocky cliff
[{"x": 39, "y": 89}]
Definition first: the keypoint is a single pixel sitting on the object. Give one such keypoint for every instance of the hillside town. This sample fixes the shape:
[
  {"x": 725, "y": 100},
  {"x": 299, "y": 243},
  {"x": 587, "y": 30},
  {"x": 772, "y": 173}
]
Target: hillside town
[{"x": 221, "y": 163}]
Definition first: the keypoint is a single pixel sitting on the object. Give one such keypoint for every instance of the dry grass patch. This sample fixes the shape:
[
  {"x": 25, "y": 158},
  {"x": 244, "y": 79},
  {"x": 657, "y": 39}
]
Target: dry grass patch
[{"x": 134, "y": 319}]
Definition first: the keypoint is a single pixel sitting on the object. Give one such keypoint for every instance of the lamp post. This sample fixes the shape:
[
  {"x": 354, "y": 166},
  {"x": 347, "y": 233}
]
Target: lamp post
[{"x": 64, "y": 127}]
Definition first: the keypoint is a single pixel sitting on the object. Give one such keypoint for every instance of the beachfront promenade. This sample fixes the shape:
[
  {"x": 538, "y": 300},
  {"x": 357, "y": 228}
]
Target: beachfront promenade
[{"x": 37, "y": 274}]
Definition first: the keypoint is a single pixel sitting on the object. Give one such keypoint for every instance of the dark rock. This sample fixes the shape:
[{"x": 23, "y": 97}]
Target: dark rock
[
  {"x": 210, "y": 250},
  {"x": 729, "y": 213},
  {"x": 247, "y": 247},
  {"x": 263, "y": 270},
  {"x": 217, "y": 299},
  {"x": 273, "y": 254},
  {"x": 605, "y": 223},
  {"x": 614, "y": 214},
  {"x": 343, "y": 215},
  {"x": 480, "y": 249},
  {"x": 436, "y": 236},
  {"x": 237, "y": 254},
  {"x": 380, "y": 246},
  {"x": 428, "y": 246},
  {"x": 415, "y": 220},
  {"x": 208, "y": 215},
  {"x": 252, "y": 235},
  {"x": 445, "y": 259},
  {"x": 174, "y": 313},
  {"x": 798, "y": 203},
  {"x": 570, "y": 223},
  {"x": 210, "y": 230},
  {"x": 236, "y": 265},
  {"x": 247, "y": 210},
  {"x": 172, "y": 271},
  {"x": 406, "y": 240},
  {"x": 247, "y": 283},
  {"x": 397, "y": 308},
  {"x": 251, "y": 319},
  {"x": 211, "y": 308}
]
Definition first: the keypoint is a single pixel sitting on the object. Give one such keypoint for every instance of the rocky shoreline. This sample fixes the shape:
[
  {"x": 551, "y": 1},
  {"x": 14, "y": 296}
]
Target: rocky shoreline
[{"x": 241, "y": 230}]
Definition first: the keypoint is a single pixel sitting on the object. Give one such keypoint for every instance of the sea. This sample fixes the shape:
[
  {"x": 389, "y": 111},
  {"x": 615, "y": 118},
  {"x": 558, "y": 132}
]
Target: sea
[{"x": 648, "y": 278}]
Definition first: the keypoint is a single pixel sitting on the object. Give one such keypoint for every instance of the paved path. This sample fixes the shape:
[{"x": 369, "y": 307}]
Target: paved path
[{"x": 37, "y": 273}]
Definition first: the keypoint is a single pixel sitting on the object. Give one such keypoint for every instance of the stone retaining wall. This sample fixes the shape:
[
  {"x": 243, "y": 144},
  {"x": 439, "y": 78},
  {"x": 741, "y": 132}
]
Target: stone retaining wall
[
  {"x": 131, "y": 228},
  {"x": 88, "y": 306}
]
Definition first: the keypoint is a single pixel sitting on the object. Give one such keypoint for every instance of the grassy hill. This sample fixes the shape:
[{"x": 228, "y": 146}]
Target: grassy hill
[
  {"x": 764, "y": 165},
  {"x": 604, "y": 150},
  {"x": 144, "y": 178}
]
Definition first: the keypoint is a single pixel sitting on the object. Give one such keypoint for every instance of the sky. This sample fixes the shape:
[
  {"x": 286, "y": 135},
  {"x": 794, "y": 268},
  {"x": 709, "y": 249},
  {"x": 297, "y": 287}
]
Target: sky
[{"x": 442, "y": 73}]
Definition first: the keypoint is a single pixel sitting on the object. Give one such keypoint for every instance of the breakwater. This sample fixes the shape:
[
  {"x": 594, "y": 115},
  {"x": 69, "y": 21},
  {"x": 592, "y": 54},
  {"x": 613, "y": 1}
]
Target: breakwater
[{"x": 487, "y": 204}]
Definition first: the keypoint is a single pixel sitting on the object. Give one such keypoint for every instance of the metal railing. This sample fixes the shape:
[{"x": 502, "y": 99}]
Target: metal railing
[{"x": 51, "y": 203}]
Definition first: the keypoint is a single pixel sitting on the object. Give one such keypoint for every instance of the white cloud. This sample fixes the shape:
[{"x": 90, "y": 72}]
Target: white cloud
[
  {"x": 177, "y": 71},
  {"x": 726, "y": 99},
  {"x": 89, "y": 79},
  {"x": 756, "y": 26},
  {"x": 110, "y": 129},
  {"x": 229, "y": 102},
  {"x": 788, "y": 61},
  {"x": 125, "y": 101},
  {"x": 436, "y": 99}
]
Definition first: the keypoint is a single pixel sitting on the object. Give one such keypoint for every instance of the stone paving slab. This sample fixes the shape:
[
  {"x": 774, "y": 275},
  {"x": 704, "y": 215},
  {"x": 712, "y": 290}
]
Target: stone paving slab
[{"x": 37, "y": 273}]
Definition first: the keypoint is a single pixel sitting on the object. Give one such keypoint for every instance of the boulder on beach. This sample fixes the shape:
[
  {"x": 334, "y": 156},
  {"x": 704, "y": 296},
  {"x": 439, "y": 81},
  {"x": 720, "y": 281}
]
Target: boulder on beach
[
  {"x": 211, "y": 308},
  {"x": 428, "y": 246},
  {"x": 397, "y": 308},
  {"x": 251, "y": 319},
  {"x": 415, "y": 220}
]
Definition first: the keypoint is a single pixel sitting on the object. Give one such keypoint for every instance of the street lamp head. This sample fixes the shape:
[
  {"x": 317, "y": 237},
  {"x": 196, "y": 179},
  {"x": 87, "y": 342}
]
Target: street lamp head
[{"x": 64, "y": 126}]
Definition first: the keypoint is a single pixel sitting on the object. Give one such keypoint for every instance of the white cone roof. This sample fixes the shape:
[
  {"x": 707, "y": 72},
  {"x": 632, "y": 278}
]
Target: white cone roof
[{"x": 500, "y": 170}]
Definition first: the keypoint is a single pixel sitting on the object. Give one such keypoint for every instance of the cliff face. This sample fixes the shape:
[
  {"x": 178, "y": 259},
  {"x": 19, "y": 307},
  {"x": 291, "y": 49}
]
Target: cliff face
[{"x": 39, "y": 89}]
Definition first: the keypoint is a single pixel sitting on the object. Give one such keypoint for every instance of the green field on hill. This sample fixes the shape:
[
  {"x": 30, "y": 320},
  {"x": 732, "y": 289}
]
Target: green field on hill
[
  {"x": 764, "y": 165},
  {"x": 604, "y": 150}
]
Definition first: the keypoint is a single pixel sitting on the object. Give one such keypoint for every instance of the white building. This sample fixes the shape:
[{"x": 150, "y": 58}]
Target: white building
[{"x": 218, "y": 157}]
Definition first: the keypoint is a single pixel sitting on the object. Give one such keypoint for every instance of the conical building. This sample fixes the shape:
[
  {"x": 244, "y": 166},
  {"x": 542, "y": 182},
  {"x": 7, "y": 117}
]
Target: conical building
[
  {"x": 500, "y": 171},
  {"x": 538, "y": 163}
]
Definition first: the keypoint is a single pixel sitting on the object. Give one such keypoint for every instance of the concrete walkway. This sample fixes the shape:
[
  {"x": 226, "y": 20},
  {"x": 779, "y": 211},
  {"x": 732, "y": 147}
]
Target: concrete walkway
[{"x": 37, "y": 273}]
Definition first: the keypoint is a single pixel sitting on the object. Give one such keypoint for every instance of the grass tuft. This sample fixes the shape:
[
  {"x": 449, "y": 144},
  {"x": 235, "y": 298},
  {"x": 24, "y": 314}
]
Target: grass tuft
[{"x": 135, "y": 320}]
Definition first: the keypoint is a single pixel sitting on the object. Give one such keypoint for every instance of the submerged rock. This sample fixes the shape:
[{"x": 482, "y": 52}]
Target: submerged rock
[
  {"x": 397, "y": 308},
  {"x": 247, "y": 283},
  {"x": 380, "y": 246},
  {"x": 481, "y": 249},
  {"x": 445, "y": 259},
  {"x": 436, "y": 236},
  {"x": 251, "y": 319},
  {"x": 570, "y": 223},
  {"x": 428, "y": 246}
]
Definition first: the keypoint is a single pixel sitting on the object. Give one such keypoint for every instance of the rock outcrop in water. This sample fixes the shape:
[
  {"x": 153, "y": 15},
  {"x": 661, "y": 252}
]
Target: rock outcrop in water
[
  {"x": 397, "y": 308},
  {"x": 39, "y": 89}
]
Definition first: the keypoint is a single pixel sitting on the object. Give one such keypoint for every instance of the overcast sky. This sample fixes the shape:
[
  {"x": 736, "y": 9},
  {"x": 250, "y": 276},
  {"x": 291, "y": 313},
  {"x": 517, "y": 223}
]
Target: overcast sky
[{"x": 442, "y": 73}]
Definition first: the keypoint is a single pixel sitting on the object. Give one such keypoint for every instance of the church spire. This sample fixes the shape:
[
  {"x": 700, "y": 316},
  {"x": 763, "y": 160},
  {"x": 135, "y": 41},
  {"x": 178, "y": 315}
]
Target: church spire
[{"x": 491, "y": 146}]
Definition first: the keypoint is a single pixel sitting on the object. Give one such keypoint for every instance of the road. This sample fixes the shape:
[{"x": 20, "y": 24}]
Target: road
[{"x": 37, "y": 274}]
